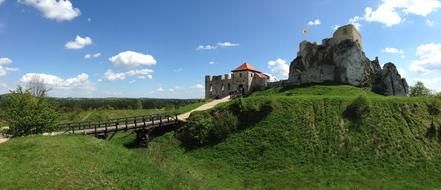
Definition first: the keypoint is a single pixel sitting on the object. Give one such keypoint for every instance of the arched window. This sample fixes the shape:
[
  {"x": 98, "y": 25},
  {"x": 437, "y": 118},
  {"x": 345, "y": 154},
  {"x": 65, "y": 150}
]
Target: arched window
[
  {"x": 240, "y": 75},
  {"x": 211, "y": 88},
  {"x": 223, "y": 88},
  {"x": 229, "y": 87}
]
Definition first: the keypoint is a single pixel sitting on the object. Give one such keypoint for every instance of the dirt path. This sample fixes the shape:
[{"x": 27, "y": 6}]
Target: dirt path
[
  {"x": 3, "y": 139},
  {"x": 206, "y": 106},
  {"x": 87, "y": 116}
]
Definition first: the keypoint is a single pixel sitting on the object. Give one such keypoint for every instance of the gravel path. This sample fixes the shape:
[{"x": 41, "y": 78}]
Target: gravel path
[
  {"x": 209, "y": 105},
  {"x": 3, "y": 139}
]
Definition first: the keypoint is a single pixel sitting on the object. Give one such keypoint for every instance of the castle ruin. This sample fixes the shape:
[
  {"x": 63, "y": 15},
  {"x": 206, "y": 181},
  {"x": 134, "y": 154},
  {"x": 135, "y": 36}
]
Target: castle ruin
[
  {"x": 242, "y": 81},
  {"x": 341, "y": 59}
]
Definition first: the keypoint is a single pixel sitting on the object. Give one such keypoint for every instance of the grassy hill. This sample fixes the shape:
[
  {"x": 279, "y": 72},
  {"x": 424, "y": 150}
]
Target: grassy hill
[{"x": 295, "y": 138}]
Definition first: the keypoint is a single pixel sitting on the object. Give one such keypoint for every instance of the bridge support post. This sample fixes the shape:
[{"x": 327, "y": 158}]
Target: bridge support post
[{"x": 143, "y": 137}]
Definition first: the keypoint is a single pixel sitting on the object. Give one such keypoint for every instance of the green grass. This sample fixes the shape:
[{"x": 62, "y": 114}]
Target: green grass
[
  {"x": 103, "y": 114},
  {"x": 316, "y": 90},
  {"x": 77, "y": 162},
  {"x": 304, "y": 142}
]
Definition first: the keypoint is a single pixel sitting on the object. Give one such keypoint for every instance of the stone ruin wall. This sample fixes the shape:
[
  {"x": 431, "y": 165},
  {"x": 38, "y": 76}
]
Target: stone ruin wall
[
  {"x": 224, "y": 85},
  {"x": 347, "y": 32},
  {"x": 217, "y": 86}
]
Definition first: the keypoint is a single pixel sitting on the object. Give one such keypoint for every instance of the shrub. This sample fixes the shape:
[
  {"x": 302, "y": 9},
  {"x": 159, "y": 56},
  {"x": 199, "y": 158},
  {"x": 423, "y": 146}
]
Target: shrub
[
  {"x": 225, "y": 123},
  {"x": 358, "y": 108},
  {"x": 434, "y": 108},
  {"x": 419, "y": 90},
  {"x": 209, "y": 127},
  {"x": 27, "y": 114},
  {"x": 196, "y": 131}
]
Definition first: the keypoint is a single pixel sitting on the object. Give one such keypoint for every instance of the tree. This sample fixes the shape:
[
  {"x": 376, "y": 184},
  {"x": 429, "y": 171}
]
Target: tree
[
  {"x": 438, "y": 95},
  {"x": 139, "y": 104},
  {"x": 28, "y": 114},
  {"x": 37, "y": 86},
  {"x": 420, "y": 90}
]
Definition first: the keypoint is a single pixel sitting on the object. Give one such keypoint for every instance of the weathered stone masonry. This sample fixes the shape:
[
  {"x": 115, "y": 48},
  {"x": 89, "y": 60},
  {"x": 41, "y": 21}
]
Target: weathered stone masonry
[{"x": 243, "y": 80}]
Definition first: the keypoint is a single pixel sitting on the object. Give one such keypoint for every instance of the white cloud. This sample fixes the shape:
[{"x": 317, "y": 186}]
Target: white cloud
[
  {"x": 160, "y": 89},
  {"x": 5, "y": 61},
  {"x": 206, "y": 47},
  {"x": 12, "y": 69},
  {"x": 177, "y": 70},
  {"x": 316, "y": 22},
  {"x": 227, "y": 44},
  {"x": 79, "y": 43},
  {"x": 89, "y": 20},
  {"x": 1, "y": 1},
  {"x": 59, "y": 10},
  {"x": 199, "y": 86},
  {"x": 279, "y": 68},
  {"x": 429, "y": 58},
  {"x": 429, "y": 23},
  {"x": 218, "y": 45},
  {"x": 109, "y": 75},
  {"x": 89, "y": 56},
  {"x": 392, "y": 50},
  {"x": 57, "y": 82},
  {"x": 431, "y": 83},
  {"x": 356, "y": 22},
  {"x": 211, "y": 62},
  {"x": 132, "y": 59},
  {"x": 390, "y": 12},
  {"x": 4, "y": 70},
  {"x": 335, "y": 27},
  {"x": 402, "y": 72}
]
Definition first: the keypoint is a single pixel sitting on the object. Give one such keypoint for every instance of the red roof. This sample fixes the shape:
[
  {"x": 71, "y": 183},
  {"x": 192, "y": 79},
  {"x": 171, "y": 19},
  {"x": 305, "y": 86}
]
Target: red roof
[
  {"x": 245, "y": 67},
  {"x": 249, "y": 67},
  {"x": 263, "y": 75}
]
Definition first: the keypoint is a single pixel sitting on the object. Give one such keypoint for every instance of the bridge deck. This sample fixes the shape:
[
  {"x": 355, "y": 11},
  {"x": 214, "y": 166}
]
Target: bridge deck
[{"x": 119, "y": 124}]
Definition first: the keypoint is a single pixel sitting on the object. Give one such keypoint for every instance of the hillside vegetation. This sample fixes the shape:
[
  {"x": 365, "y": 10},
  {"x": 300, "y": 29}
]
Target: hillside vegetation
[
  {"x": 281, "y": 138},
  {"x": 300, "y": 137}
]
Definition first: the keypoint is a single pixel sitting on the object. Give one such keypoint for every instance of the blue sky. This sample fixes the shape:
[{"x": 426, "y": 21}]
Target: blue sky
[{"x": 163, "y": 48}]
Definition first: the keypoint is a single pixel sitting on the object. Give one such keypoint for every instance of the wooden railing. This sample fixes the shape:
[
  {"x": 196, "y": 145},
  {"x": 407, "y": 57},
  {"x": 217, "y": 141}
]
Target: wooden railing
[{"x": 119, "y": 124}]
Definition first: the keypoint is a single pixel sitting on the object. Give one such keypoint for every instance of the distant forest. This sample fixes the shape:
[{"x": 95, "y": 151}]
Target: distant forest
[{"x": 78, "y": 104}]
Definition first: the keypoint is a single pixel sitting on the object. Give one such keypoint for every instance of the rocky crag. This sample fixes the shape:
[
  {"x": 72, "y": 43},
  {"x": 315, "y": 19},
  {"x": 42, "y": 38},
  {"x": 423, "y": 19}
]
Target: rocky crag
[{"x": 341, "y": 59}]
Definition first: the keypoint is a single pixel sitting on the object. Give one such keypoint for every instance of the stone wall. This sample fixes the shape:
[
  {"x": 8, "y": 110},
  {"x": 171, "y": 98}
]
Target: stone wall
[
  {"x": 348, "y": 32},
  {"x": 218, "y": 86},
  {"x": 238, "y": 82}
]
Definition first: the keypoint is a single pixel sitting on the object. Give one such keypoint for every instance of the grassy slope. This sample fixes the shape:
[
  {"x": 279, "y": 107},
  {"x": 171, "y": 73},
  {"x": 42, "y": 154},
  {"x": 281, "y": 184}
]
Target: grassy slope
[
  {"x": 69, "y": 162},
  {"x": 303, "y": 143},
  {"x": 315, "y": 147}
]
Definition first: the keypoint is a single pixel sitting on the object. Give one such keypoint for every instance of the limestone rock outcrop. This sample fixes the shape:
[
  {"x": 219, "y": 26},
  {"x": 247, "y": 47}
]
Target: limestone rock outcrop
[{"x": 341, "y": 59}]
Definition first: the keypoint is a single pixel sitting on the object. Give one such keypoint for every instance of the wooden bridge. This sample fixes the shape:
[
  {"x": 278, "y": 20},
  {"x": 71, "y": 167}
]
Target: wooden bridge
[{"x": 142, "y": 125}]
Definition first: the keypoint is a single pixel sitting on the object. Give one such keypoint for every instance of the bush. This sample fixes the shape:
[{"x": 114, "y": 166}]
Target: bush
[
  {"x": 27, "y": 114},
  {"x": 358, "y": 108},
  {"x": 213, "y": 126},
  {"x": 434, "y": 108},
  {"x": 196, "y": 131},
  {"x": 225, "y": 123},
  {"x": 419, "y": 90}
]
